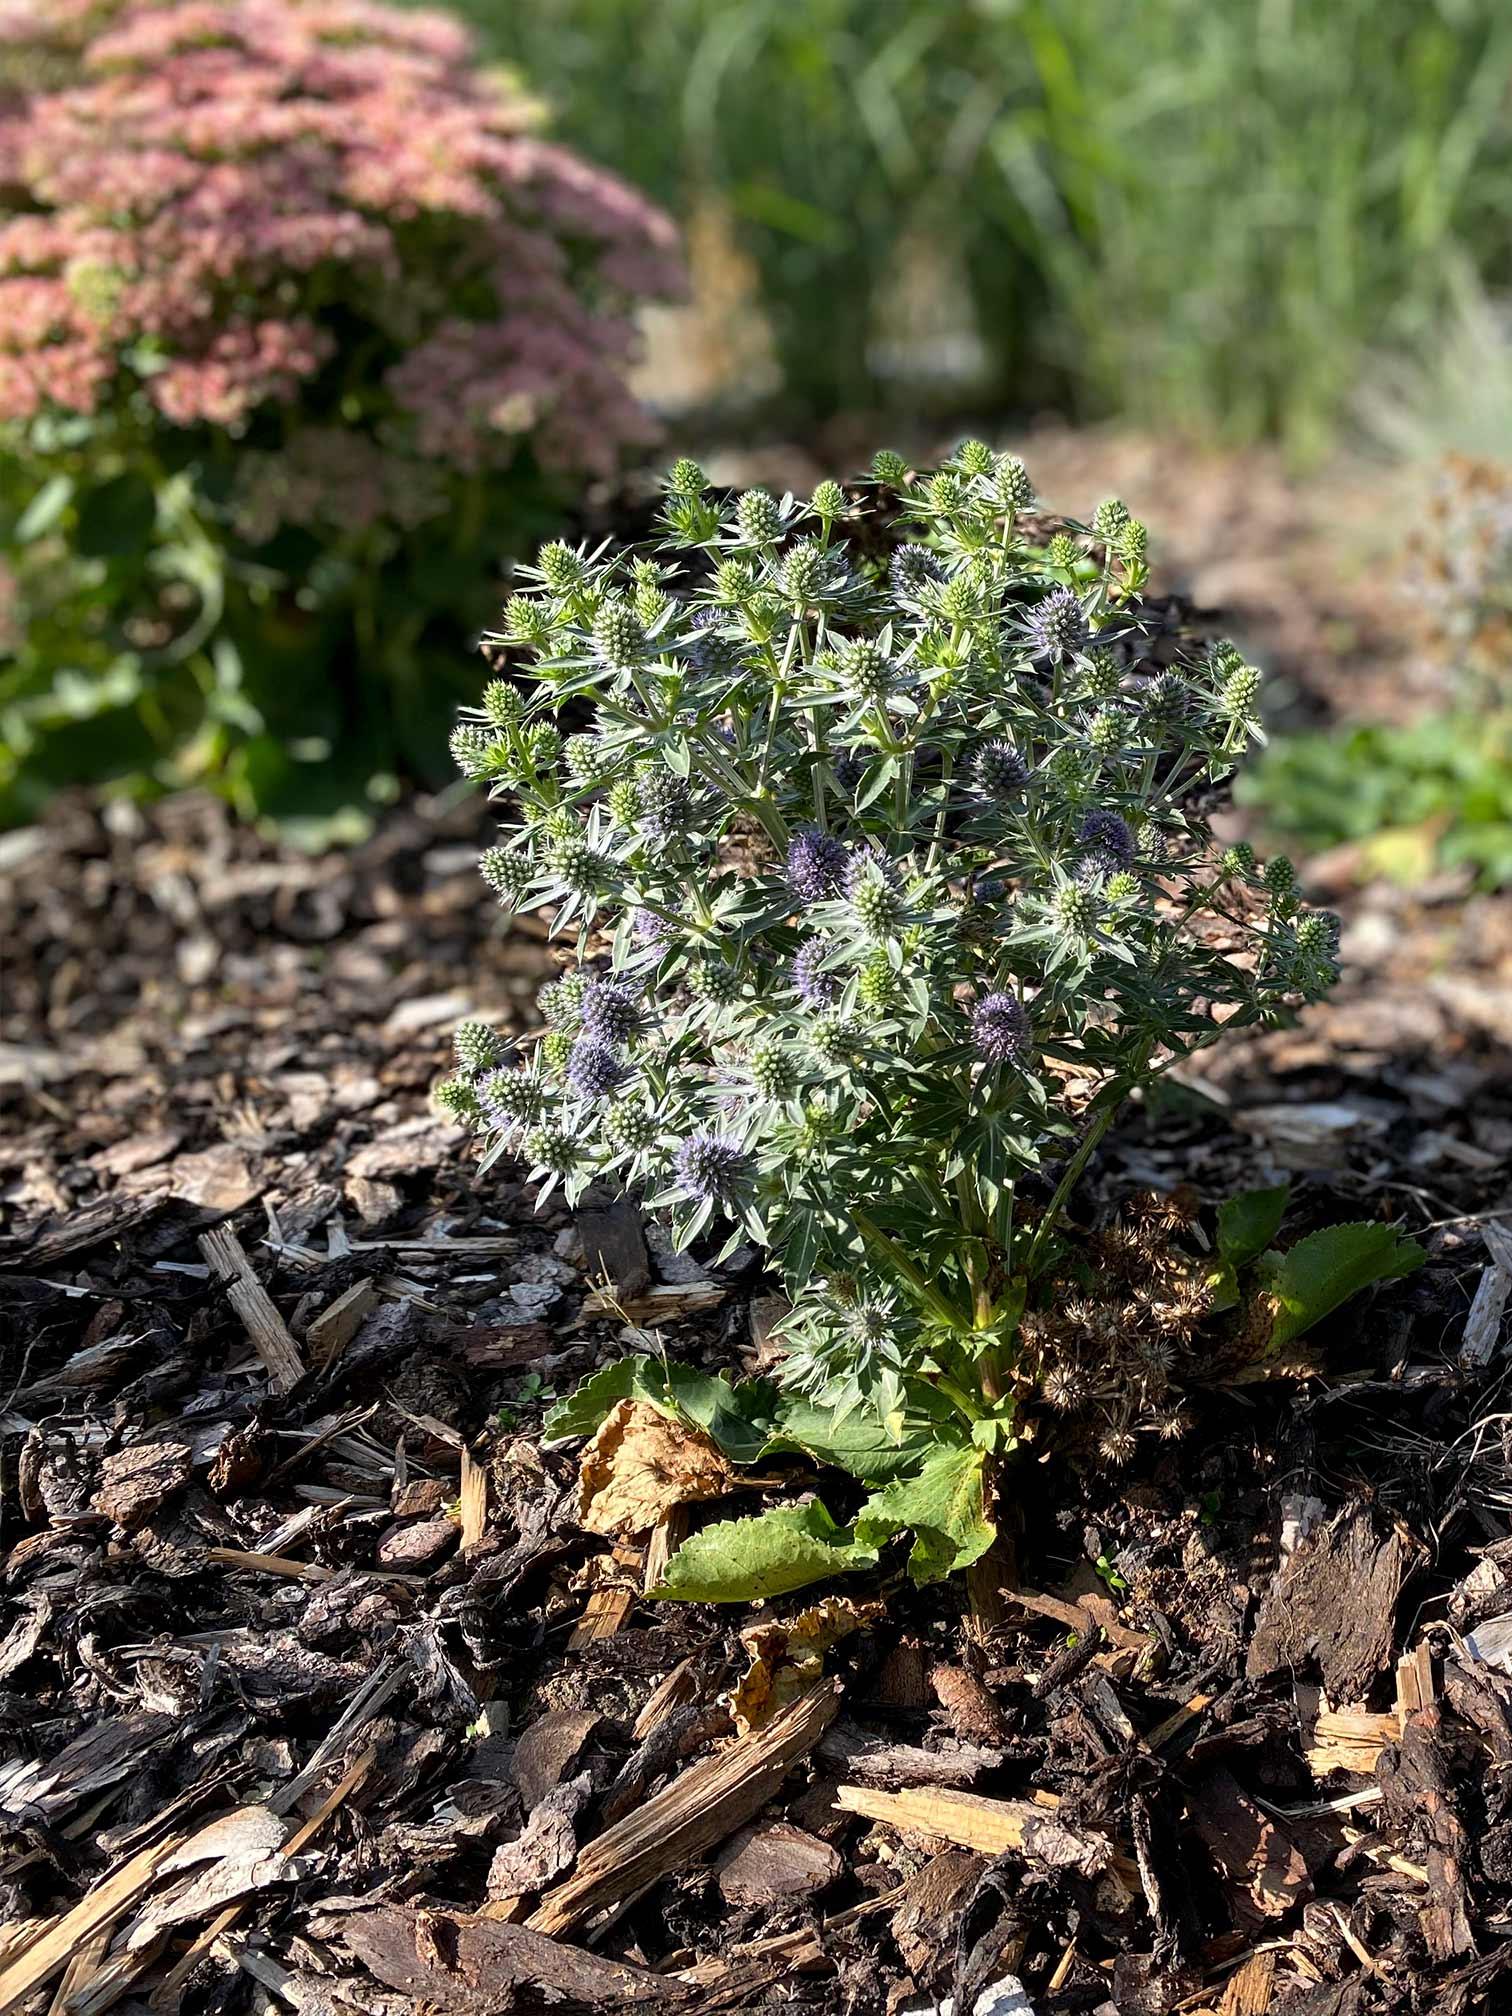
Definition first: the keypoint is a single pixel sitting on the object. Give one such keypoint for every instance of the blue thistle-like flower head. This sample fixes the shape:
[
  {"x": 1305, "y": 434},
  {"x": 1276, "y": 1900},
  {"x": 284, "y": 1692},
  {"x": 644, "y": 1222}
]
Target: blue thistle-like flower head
[
  {"x": 708, "y": 649},
  {"x": 712, "y": 1167},
  {"x": 1058, "y": 625},
  {"x": 998, "y": 770},
  {"x": 664, "y": 801},
  {"x": 611, "y": 1012},
  {"x": 1105, "y": 835},
  {"x": 816, "y": 988},
  {"x": 593, "y": 1070},
  {"x": 849, "y": 767},
  {"x": 815, "y": 864},
  {"x": 911, "y": 570},
  {"x": 1000, "y": 1029}
]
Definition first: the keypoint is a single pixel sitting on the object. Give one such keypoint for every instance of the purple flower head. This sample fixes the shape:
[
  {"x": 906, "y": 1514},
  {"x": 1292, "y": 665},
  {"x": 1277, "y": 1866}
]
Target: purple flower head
[
  {"x": 849, "y": 766},
  {"x": 593, "y": 1070},
  {"x": 707, "y": 650},
  {"x": 999, "y": 770},
  {"x": 651, "y": 928},
  {"x": 1106, "y": 834},
  {"x": 911, "y": 569},
  {"x": 711, "y": 1166},
  {"x": 611, "y": 1012},
  {"x": 1058, "y": 624},
  {"x": 870, "y": 864},
  {"x": 815, "y": 864},
  {"x": 816, "y": 987},
  {"x": 1000, "y": 1028}
]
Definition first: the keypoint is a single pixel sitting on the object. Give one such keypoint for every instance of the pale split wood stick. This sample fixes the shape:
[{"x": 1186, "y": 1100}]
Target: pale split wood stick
[
  {"x": 685, "y": 1819},
  {"x": 228, "y": 1262}
]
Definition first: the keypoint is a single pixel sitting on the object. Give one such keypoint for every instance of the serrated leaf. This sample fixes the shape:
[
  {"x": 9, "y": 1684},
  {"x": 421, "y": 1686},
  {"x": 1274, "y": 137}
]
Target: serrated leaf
[
  {"x": 739, "y": 1560},
  {"x": 1248, "y": 1223},
  {"x": 945, "y": 1505},
  {"x": 857, "y": 1442},
  {"x": 1325, "y": 1269},
  {"x": 737, "y": 1418}
]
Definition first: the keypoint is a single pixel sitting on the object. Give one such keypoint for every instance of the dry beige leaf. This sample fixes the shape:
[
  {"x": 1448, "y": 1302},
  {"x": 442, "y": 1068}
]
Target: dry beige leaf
[
  {"x": 640, "y": 1464},
  {"x": 787, "y": 1656}
]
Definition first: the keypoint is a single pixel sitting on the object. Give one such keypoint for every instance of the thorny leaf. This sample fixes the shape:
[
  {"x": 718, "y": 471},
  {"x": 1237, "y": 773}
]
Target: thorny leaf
[
  {"x": 1325, "y": 1269},
  {"x": 945, "y": 1504},
  {"x": 742, "y": 1559}
]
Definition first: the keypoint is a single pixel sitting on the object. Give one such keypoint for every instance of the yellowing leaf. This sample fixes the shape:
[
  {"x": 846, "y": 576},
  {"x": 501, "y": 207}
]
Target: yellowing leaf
[
  {"x": 640, "y": 1464},
  {"x": 787, "y": 1657}
]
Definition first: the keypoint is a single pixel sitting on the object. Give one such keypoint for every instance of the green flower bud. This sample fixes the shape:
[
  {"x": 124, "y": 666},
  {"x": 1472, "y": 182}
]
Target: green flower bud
[
  {"x": 774, "y": 1071},
  {"x": 629, "y": 1128},
  {"x": 578, "y": 865},
  {"x": 1134, "y": 543},
  {"x": 1280, "y": 876},
  {"x": 651, "y": 602},
  {"x": 758, "y": 517},
  {"x": 1015, "y": 492},
  {"x": 959, "y": 600},
  {"x": 685, "y": 478},
  {"x": 876, "y": 902},
  {"x": 1076, "y": 910},
  {"x": 880, "y": 986},
  {"x": 1239, "y": 693},
  {"x": 561, "y": 567},
  {"x": 828, "y": 500},
  {"x": 716, "y": 981},
  {"x": 553, "y": 1149},
  {"x": 455, "y": 1097},
  {"x": 1238, "y": 861},
  {"x": 889, "y": 468},
  {"x": 478, "y": 752},
  {"x": 1122, "y": 887},
  {"x": 619, "y": 636},
  {"x": 624, "y": 803},
  {"x": 866, "y": 668},
  {"x": 974, "y": 458},
  {"x": 508, "y": 875},
  {"x": 1061, "y": 553},
  {"x": 503, "y": 704},
  {"x": 1103, "y": 677},
  {"x": 833, "y": 1038},
  {"x": 526, "y": 620},
  {"x": 543, "y": 745},
  {"x": 946, "y": 491},
  {"x": 556, "y": 1050},
  {"x": 807, "y": 572},
  {"x": 733, "y": 582},
  {"x": 1109, "y": 519},
  {"x": 561, "y": 1002},
  {"x": 476, "y": 1046},
  {"x": 584, "y": 757},
  {"x": 1107, "y": 732}
]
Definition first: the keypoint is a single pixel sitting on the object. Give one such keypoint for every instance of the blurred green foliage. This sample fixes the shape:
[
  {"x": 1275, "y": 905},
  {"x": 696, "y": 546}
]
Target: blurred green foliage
[
  {"x": 1435, "y": 795},
  {"x": 1194, "y": 213}
]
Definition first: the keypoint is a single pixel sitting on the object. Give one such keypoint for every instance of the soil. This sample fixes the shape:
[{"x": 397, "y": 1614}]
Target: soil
[{"x": 316, "y": 1693}]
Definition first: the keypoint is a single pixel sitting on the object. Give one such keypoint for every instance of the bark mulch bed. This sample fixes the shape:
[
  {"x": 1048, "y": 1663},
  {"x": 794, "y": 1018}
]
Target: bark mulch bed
[{"x": 315, "y": 1695}]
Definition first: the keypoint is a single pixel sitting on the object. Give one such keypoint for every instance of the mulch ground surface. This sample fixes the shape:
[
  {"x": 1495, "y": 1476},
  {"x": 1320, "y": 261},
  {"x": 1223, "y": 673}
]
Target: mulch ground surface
[{"x": 316, "y": 1695}]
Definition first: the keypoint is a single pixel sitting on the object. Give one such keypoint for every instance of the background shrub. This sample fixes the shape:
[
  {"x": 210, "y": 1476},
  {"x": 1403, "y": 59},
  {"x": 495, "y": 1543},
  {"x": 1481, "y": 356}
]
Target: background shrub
[
  {"x": 301, "y": 328},
  {"x": 1193, "y": 212}
]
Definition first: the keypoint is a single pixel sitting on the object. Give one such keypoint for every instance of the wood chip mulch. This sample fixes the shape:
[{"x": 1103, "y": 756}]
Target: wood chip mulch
[{"x": 316, "y": 1696}]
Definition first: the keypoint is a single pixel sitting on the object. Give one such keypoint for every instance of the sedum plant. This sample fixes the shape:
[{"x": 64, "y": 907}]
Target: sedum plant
[
  {"x": 301, "y": 324},
  {"x": 873, "y": 824}
]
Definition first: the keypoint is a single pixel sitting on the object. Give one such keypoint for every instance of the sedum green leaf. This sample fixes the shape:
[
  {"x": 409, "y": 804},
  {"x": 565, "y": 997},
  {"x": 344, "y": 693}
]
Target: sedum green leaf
[
  {"x": 945, "y": 1503},
  {"x": 739, "y": 1560},
  {"x": 1325, "y": 1269}
]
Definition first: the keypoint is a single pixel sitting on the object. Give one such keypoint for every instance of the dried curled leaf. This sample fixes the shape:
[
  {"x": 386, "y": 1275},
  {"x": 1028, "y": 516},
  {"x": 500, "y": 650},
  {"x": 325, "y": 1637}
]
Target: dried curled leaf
[
  {"x": 640, "y": 1464},
  {"x": 787, "y": 1656}
]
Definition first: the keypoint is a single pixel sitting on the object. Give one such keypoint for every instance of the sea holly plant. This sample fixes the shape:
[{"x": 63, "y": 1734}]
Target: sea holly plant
[{"x": 873, "y": 827}]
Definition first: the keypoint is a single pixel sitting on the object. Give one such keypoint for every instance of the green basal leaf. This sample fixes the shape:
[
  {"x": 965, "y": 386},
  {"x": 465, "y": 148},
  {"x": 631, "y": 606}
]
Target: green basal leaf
[
  {"x": 739, "y": 1560},
  {"x": 734, "y": 1417},
  {"x": 1248, "y": 1223},
  {"x": 945, "y": 1503},
  {"x": 857, "y": 1442},
  {"x": 1325, "y": 1269}
]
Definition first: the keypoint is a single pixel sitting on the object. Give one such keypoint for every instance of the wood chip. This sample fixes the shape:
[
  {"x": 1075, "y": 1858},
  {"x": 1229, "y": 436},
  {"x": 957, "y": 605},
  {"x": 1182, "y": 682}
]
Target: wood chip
[
  {"x": 607, "y": 1611},
  {"x": 988, "y": 1826},
  {"x": 772, "y": 1864},
  {"x": 338, "y": 1323},
  {"x": 1254, "y": 1851},
  {"x": 693, "y": 1814},
  {"x": 228, "y": 1261},
  {"x": 1334, "y": 1602}
]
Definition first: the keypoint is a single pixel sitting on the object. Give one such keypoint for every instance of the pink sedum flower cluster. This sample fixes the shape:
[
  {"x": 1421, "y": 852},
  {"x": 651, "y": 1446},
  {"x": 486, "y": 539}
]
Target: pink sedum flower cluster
[{"x": 320, "y": 206}]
